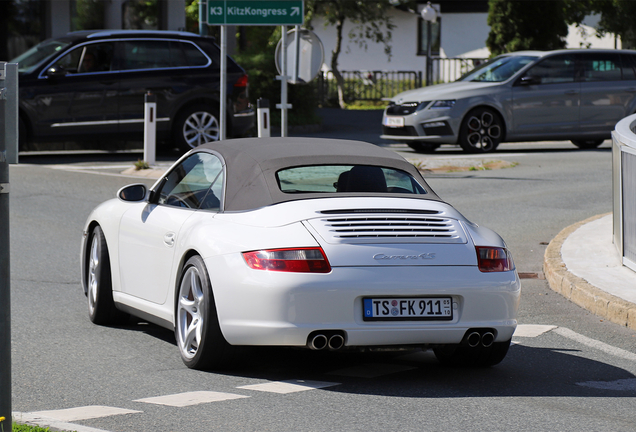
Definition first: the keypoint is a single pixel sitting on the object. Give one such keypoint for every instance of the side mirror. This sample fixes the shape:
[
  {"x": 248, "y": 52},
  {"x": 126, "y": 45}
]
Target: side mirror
[
  {"x": 529, "y": 80},
  {"x": 133, "y": 193},
  {"x": 56, "y": 72}
]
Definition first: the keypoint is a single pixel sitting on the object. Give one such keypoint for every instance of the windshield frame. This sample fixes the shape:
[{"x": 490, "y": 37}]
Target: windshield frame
[{"x": 522, "y": 61}]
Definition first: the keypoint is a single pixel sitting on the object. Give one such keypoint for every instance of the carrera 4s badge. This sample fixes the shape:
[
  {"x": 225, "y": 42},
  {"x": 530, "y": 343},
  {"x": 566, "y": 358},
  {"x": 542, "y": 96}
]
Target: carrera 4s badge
[{"x": 382, "y": 257}]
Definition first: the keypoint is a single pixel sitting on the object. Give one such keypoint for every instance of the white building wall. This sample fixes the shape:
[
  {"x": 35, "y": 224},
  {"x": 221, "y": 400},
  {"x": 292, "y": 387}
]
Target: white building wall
[
  {"x": 403, "y": 46},
  {"x": 463, "y": 32},
  {"x": 463, "y": 35},
  {"x": 176, "y": 17},
  {"x": 60, "y": 18}
]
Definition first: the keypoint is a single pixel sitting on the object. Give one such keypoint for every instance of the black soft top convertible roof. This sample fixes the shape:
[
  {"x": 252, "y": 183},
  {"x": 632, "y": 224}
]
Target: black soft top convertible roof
[{"x": 252, "y": 164}]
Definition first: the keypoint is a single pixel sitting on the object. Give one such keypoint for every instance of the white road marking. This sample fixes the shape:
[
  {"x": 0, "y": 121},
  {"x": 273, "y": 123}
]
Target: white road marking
[
  {"x": 34, "y": 420},
  {"x": 88, "y": 167},
  {"x": 593, "y": 343},
  {"x": 190, "y": 398},
  {"x": 371, "y": 370},
  {"x": 628, "y": 384},
  {"x": 289, "y": 386},
  {"x": 532, "y": 330},
  {"x": 82, "y": 413}
]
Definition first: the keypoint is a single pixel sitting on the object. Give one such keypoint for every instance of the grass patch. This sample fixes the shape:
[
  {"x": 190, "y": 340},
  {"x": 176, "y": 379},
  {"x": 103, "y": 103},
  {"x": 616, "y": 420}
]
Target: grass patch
[
  {"x": 27, "y": 428},
  {"x": 141, "y": 165}
]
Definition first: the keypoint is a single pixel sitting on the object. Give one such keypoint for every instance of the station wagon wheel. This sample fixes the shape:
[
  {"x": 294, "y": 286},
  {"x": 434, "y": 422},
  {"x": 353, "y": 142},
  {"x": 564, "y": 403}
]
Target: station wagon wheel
[
  {"x": 196, "y": 125},
  {"x": 481, "y": 131},
  {"x": 423, "y": 147},
  {"x": 201, "y": 343},
  {"x": 587, "y": 144},
  {"x": 101, "y": 308}
]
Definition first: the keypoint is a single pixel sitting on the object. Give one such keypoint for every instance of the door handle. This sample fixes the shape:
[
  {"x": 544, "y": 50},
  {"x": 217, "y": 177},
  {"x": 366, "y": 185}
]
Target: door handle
[
  {"x": 169, "y": 238},
  {"x": 631, "y": 90},
  {"x": 572, "y": 92}
]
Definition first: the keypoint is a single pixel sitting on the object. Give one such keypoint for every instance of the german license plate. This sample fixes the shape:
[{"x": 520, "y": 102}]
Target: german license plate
[
  {"x": 394, "y": 121},
  {"x": 407, "y": 309}
]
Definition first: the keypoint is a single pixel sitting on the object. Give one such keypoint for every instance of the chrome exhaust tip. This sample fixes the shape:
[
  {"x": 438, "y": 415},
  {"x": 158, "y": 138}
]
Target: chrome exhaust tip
[
  {"x": 336, "y": 342},
  {"x": 473, "y": 339},
  {"x": 487, "y": 339},
  {"x": 318, "y": 342}
]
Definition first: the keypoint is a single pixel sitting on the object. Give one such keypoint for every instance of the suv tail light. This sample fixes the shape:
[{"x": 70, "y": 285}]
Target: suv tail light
[
  {"x": 494, "y": 259},
  {"x": 241, "y": 82},
  {"x": 303, "y": 260}
]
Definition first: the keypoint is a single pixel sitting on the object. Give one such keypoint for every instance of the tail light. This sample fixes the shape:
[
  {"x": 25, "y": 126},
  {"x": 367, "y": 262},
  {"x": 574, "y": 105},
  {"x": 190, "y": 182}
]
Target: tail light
[
  {"x": 304, "y": 260},
  {"x": 494, "y": 259},
  {"x": 241, "y": 82}
]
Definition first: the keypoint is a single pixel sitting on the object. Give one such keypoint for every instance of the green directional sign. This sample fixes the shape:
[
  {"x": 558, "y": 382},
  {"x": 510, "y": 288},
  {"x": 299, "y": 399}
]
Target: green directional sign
[{"x": 255, "y": 12}]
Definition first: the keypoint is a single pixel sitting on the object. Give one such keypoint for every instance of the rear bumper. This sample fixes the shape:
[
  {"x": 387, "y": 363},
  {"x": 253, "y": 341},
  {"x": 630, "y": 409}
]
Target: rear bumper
[{"x": 284, "y": 308}]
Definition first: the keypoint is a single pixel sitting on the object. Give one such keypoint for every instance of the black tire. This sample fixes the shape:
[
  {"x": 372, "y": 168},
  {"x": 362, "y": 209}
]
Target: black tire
[
  {"x": 481, "y": 131},
  {"x": 101, "y": 307},
  {"x": 196, "y": 125},
  {"x": 197, "y": 331},
  {"x": 463, "y": 355},
  {"x": 587, "y": 144},
  {"x": 423, "y": 147}
]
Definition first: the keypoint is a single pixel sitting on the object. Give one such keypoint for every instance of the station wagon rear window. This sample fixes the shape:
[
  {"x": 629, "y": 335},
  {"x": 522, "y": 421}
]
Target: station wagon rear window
[{"x": 347, "y": 178}]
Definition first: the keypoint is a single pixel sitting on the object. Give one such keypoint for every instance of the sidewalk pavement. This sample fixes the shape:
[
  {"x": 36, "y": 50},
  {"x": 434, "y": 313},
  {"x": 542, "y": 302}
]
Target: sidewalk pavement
[{"x": 582, "y": 264}]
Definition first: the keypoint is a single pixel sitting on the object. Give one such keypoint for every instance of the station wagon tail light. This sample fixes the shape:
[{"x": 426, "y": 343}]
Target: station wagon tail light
[
  {"x": 304, "y": 260},
  {"x": 241, "y": 82},
  {"x": 494, "y": 259}
]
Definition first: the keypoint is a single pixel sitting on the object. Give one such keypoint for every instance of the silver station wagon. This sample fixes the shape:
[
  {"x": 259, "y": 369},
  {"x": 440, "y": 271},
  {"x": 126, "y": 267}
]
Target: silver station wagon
[{"x": 576, "y": 95}]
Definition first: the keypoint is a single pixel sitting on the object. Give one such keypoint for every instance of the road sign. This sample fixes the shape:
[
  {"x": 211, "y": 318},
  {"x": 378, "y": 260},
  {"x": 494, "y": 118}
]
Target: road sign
[
  {"x": 255, "y": 12},
  {"x": 305, "y": 59}
]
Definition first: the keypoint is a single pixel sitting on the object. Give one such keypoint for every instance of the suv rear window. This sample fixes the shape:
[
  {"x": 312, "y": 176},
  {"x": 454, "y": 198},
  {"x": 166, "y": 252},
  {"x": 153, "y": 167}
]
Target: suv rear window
[{"x": 347, "y": 178}]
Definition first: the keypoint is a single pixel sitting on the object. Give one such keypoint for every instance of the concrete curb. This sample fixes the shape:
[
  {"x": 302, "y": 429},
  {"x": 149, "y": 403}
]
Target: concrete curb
[{"x": 578, "y": 290}]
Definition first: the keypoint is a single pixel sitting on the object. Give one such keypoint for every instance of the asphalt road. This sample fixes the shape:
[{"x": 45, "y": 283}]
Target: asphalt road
[{"x": 567, "y": 371}]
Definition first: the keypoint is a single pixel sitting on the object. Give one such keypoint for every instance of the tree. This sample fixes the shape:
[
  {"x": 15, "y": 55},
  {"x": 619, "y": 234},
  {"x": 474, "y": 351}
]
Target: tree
[
  {"x": 532, "y": 25},
  {"x": 617, "y": 16},
  {"x": 371, "y": 24}
]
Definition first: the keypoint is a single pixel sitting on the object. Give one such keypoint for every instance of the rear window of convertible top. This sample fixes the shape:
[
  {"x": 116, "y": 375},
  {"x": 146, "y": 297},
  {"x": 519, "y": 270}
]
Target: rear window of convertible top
[{"x": 346, "y": 178}]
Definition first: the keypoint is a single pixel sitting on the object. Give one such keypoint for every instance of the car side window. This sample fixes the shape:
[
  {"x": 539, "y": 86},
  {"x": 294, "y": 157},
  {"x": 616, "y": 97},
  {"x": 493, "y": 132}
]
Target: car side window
[
  {"x": 629, "y": 66},
  {"x": 160, "y": 54},
  {"x": 97, "y": 57},
  {"x": 196, "y": 183},
  {"x": 600, "y": 67},
  {"x": 554, "y": 70}
]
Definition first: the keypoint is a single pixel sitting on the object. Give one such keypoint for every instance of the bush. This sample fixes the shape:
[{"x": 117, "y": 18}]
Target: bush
[{"x": 257, "y": 58}]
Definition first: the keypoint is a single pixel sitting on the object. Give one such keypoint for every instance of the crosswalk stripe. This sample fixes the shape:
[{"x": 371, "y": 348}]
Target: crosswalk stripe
[
  {"x": 290, "y": 386},
  {"x": 532, "y": 330},
  {"x": 190, "y": 398},
  {"x": 82, "y": 413}
]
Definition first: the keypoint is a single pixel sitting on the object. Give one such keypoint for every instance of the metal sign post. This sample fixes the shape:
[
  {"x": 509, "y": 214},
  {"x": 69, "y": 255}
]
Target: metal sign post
[
  {"x": 252, "y": 12},
  {"x": 8, "y": 140}
]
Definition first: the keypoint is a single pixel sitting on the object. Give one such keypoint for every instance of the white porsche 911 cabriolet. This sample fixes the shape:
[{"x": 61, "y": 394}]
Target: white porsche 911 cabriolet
[{"x": 300, "y": 242}]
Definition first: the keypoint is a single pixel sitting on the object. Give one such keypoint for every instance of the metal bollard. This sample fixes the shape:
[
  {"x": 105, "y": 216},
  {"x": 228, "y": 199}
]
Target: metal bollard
[
  {"x": 150, "y": 129},
  {"x": 262, "y": 109}
]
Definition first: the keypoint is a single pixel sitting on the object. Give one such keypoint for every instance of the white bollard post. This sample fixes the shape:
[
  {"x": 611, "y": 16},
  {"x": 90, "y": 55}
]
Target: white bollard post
[
  {"x": 262, "y": 109},
  {"x": 150, "y": 129}
]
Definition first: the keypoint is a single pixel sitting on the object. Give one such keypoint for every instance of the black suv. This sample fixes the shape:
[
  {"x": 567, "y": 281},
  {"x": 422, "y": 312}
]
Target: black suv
[{"x": 91, "y": 84}]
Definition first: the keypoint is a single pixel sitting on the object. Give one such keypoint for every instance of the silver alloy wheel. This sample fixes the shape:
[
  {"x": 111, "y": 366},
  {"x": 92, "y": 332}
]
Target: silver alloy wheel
[
  {"x": 483, "y": 131},
  {"x": 199, "y": 128},
  {"x": 93, "y": 269},
  {"x": 190, "y": 313}
]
